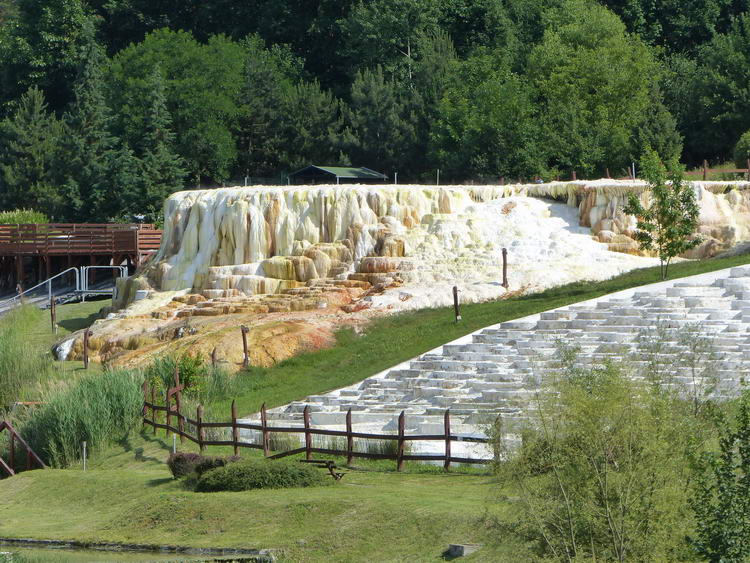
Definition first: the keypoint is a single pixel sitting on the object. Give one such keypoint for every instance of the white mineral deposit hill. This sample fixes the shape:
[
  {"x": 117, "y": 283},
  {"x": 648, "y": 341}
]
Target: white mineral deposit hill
[
  {"x": 423, "y": 239},
  {"x": 495, "y": 370}
]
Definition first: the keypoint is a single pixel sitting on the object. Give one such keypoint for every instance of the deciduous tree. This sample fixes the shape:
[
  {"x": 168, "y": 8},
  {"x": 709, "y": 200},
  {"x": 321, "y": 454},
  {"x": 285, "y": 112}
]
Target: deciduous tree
[{"x": 667, "y": 221}]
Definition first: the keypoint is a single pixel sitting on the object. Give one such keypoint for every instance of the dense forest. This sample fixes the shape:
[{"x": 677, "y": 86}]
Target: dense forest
[{"x": 107, "y": 106}]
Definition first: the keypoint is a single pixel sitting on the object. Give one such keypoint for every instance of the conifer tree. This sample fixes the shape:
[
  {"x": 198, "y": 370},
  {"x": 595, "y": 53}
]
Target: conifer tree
[
  {"x": 89, "y": 148},
  {"x": 162, "y": 170},
  {"x": 29, "y": 140}
]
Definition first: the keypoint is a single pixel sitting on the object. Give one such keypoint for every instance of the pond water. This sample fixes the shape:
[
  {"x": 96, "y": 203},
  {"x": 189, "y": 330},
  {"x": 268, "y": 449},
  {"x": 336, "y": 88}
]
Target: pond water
[{"x": 13, "y": 554}]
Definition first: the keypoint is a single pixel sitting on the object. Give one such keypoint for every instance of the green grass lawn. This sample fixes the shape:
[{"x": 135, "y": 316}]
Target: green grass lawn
[
  {"x": 71, "y": 317},
  {"x": 373, "y": 514},
  {"x": 128, "y": 495}
]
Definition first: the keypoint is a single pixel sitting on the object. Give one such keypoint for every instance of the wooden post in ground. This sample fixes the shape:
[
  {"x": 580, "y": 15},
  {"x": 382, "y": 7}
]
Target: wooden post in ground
[
  {"x": 502, "y": 180},
  {"x": 606, "y": 172},
  {"x": 246, "y": 356},
  {"x": 455, "y": 304},
  {"x": 705, "y": 170},
  {"x": 178, "y": 401},
  {"x": 153, "y": 410},
  {"x": 505, "y": 268},
  {"x": 235, "y": 430},
  {"x": 199, "y": 420},
  {"x": 53, "y": 313},
  {"x": 144, "y": 414},
  {"x": 12, "y": 450},
  {"x": 169, "y": 411},
  {"x": 264, "y": 429},
  {"x": 213, "y": 357},
  {"x": 86, "y": 334},
  {"x": 748, "y": 169},
  {"x": 574, "y": 177},
  {"x": 308, "y": 436},
  {"x": 349, "y": 438},
  {"x": 400, "y": 455},
  {"x": 447, "y": 430}
]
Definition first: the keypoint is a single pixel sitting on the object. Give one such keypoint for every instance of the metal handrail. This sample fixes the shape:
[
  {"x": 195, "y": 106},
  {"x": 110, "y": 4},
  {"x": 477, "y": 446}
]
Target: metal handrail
[
  {"x": 85, "y": 270},
  {"x": 48, "y": 282}
]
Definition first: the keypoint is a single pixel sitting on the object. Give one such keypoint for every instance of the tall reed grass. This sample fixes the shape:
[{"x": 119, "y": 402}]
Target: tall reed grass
[
  {"x": 21, "y": 365},
  {"x": 97, "y": 409}
]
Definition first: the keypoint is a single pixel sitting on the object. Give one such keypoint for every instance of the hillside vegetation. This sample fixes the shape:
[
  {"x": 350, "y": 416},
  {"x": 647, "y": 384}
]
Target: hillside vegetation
[{"x": 155, "y": 96}]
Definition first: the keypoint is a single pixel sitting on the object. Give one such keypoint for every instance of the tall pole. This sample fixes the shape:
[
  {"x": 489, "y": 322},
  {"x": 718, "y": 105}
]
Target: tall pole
[
  {"x": 246, "y": 356},
  {"x": 438, "y": 177},
  {"x": 455, "y": 304},
  {"x": 505, "y": 268}
]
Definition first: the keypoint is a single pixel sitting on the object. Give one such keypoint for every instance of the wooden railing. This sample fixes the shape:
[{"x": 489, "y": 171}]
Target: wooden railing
[
  {"x": 14, "y": 438},
  {"x": 75, "y": 238},
  {"x": 195, "y": 429}
]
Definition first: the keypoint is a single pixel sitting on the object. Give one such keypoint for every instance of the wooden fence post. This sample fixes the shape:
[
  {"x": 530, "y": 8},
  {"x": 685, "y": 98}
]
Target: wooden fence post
[
  {"x": 264, "y": 429},
  {"x": 12, "y": 450},
  {"x": 705, "y": 170},
  {"x": 447, "y": 427},
  {"x": 178, "y": 404},
  {"x": 308, "y": 436},
  {"x": 199, "y": 420},
  {"x": 169, "y": 411},
  {"x": 153, "y": 410},
  {"x": 455, "y": 304},
  {"x": 246, "y": 356},
  {"x": 349, "y": 438},
  {"x": 53, "y": 313},
  {"x": 606, "y": 172},
  {"x": 86, "y": 334},
  {"x": 235, "y": 430},
  {"x": 505, "y": 268},
  {"x": 213, "y": 357},
  {"x": 400, "y": 455},
  {"x": 574, "y": 176},
  {"x": 144, "y": 413}
]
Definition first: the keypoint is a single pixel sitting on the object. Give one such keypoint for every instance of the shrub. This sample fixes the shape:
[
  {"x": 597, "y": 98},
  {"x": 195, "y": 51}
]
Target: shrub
[
  {"x": 97, "y": 409},
  {"x": 192, "y": 369},
  {"x": 260, "y": 474},
  {"x": 742, "y": 151},
  {"x": 182, "y": 464},
  {"x": 20, "y": 216}
]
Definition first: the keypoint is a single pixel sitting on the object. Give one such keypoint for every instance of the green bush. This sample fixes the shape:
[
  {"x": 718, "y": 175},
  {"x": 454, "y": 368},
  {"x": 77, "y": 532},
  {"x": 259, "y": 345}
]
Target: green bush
[
  {"x": 742, "y": 151},
  {"x": 193, "y": 373},
  {"x": 182, "y": 464},
  {"x": 20, "y": 365},
  {"x": 260, "y": 474},
  {"x": 17, "y": 216},
  {"x": 97, "y": 409}
]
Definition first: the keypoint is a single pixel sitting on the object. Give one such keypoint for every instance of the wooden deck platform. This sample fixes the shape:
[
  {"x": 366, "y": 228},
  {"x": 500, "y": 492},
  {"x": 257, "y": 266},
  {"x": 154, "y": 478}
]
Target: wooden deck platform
[{"x": 32, "y": 253}]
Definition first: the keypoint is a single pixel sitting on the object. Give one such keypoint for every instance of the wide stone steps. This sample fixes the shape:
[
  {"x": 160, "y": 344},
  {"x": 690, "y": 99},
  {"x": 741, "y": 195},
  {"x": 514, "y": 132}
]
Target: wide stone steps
[{"x": 497, "y": 370}]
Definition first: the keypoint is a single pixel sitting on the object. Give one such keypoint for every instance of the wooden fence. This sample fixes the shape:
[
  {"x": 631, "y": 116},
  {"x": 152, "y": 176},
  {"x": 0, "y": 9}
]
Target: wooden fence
[
  {"x": 72, "y": 238},
  {"x": 175, "y": 421},
  {"x": 705, "y": 170},
  {"x": 14, "y": 438}
]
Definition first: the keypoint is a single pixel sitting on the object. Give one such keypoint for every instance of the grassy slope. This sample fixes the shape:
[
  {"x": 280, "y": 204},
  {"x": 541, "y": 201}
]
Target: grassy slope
[
  {"x": 128, "y": 495},
  {"x": 394, "y": 339}
]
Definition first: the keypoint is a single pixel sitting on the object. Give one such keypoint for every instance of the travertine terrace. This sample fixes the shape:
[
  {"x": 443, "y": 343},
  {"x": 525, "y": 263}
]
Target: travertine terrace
[{"x": 264, "y": 255}]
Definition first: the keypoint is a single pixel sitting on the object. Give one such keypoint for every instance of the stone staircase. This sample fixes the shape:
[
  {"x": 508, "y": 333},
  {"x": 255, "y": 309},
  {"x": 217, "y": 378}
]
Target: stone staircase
[{"x": 497, "y": 369}]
